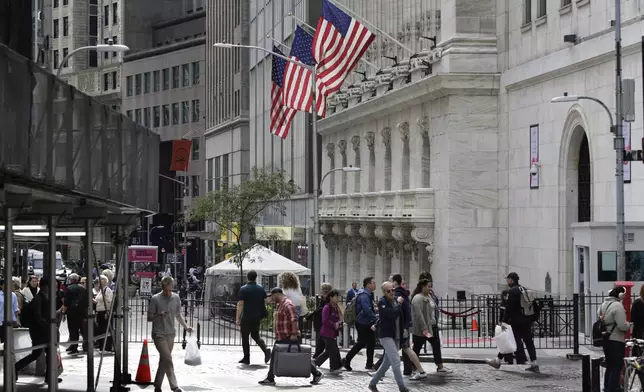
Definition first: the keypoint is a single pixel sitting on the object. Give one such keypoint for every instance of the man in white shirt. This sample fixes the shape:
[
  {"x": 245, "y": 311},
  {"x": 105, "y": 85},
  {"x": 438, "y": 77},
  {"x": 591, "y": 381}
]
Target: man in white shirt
[{"x": 15, "y": 311}]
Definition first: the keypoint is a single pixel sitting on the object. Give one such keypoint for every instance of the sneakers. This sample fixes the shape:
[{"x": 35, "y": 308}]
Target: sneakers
[
  {"x": 495, "y": 363},
  {"x": 373, "y": 388},
  {"x": 317, "y": 377},
  {"x": 404, "y": 389},
  {"x": 443, "y": 370},
  {"x": 336, "y": 372},
  {"x": 346, "y": 365},
  {"x": 267, "y": 355},
  {"x": 177, "y": 390},
  {"x": 533, "y": 369},
  {"x": 418, "y": 376},
  {"x": 244, "y": 361},
  {"x": 266, "y": 381}
]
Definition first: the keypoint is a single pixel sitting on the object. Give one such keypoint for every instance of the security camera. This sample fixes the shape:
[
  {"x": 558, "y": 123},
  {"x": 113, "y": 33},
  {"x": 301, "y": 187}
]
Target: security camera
[
  {"x": 534, "y": 169},
  {"x": 110, "y": 41}
]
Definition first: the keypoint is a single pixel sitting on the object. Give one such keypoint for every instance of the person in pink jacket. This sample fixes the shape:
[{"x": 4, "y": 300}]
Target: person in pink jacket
[{"x": 331, "y": 324}]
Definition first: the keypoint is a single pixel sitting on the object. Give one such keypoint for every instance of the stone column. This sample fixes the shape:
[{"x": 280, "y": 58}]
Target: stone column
[
  {"x": 340, "y": 265},
  {"x": 402, "y": 234},
  {"x": 330, "y": 245},
  {"x": 383, "y": 259},
  {"x": 412, "y": 250},
  {"x": 419, "y": 163},
  {"x": 391, "y": 254},
  {"x": 352, "y": 231},
  {"x": 368, "y": 260}
]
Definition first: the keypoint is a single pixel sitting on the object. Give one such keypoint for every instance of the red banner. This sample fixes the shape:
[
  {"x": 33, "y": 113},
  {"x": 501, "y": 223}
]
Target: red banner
[
  {"x": 180, "y": 155},
  {"x": 142, "y": 254}
]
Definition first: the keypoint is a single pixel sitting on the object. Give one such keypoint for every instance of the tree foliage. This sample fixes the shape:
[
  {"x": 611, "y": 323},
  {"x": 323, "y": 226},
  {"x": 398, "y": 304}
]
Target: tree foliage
[{"x": 242, "y": 205}]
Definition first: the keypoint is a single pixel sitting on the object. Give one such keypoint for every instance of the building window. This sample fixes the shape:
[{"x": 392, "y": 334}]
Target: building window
[
  {"x": 175, "y": 113},
  {"x": 56, "y": 4},
  {"x": 65, "y": 53},
  {"x": 175, "y": 77},
  {"x": 56, "y": 29},
  {"x": 128, "y": 85},
  {"x": 129, "y": 114},
  {"x": 185, "y": 112},
  {"x": 137, "y": 117},
  {"x": 157, "y": 117},
  {"x": 195, "y": 110},
  {"x": 166, "y": 79},
  {"x": 156, "y": 79},
  {"x": 541, "y": 8},
  {"x": 65, "y": 2},
  {"x": 185, "y": 70},
  {"x": 195, "y": 73},
  {"x": 565, "y": 2},
  {"x": 65, "y": 26},
  {"x": 607, "y": 265},
  {"x": 93, "y": 25},
  {"x": 106, "y": 55},
  {"x": 195, "y": 149},
  {"x": 106, "y": 81},
  {"x": 137, "y": 84},
  {"x": 146, "y": 83},
  {"x": 115, "y": 41},
  {"x": 115, "y": 9},
  {"x": 106, "y": 15},
  {"x": 166, "y": 115},
  {"x": 114, "y": 79},
  {"x": 209, "y": 174},
  {"x": 195, "y": 186},
  {"x": 217, "y": 171},
  {"x": 527, "y": 11},
  {"x": 224, "y": 171},
  {"x": 55, "y": 59},
  {"x": 93, "y": 59},
  {"x": 146, "y": 117}
]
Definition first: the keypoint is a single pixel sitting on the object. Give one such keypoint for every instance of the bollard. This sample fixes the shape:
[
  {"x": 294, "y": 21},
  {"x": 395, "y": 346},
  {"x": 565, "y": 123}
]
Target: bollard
[
  {"x": 585, "y": 374},
  {"x": 595, "y": 364}
]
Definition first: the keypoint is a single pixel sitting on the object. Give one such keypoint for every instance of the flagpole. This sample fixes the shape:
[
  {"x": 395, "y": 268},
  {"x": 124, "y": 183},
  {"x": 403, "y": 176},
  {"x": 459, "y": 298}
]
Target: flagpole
[
  {"x": 303, "y": 23},
  {"x": 316, "y": 184},
  {"x": 373, "y": 26}
]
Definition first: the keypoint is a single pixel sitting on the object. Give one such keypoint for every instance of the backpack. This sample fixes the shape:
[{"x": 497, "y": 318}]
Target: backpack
[
  {"x": 351, "y": 312},
  {"x": 530, "y": 307},
  {"x": 600, "y": 332}
]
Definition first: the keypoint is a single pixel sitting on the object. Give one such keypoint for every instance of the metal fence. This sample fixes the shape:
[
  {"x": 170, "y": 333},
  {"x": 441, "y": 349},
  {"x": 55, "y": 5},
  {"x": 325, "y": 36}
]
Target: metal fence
[{"x": 55, "y": 136}]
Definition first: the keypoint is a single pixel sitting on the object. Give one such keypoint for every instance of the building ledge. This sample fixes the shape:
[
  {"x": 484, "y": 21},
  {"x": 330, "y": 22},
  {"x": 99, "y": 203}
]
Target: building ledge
[{"x": 223, "y": 127}]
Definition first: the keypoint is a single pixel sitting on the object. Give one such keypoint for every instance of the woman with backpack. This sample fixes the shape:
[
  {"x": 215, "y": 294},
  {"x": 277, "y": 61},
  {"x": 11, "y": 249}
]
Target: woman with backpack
[
  {"x": 331, "y": 324},
  {"x": 612, "y": 315},
  {"x": 316, "y": 316}
]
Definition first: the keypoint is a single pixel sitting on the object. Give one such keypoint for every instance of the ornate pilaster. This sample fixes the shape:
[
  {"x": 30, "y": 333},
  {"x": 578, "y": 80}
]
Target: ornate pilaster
[
  {"x": 401, "y": 233},
  {"x": 352, "y": 230},
  {"x": 370, "y": 138},
  {"x": 390, "y": 250},
  {"x": 386, "y": 136},
  {"x": 383, "y": 231},
  {"x": 423, "y": 126},
  {"x": 375, "y": 245},
  {"x": 330, "y": 150},
  {"x": 355, "y": 142},
  {"x": 403, "y": 127},
  {"x": 430, "y": 253},
  {"x": 342, "y": 244},
  {"x": 330, "y": 241},
  {"x": 367, "y": 231},
  {"x": 326, "y": 228},
  {"x": 338, "y": 229},
  {"x": 342, "y": 146}
]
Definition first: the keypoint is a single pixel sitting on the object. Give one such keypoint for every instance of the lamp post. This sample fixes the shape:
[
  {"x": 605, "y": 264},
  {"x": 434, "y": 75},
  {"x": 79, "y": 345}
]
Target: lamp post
[
  {"x": 98, "y": 48},
  {"x": 313, "y": 239},
  {"x": 619, "y": 178},
  {"x": 185, "y": 222}
]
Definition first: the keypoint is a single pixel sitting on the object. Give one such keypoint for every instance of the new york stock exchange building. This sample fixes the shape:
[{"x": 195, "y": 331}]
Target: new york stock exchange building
[{"x": 468, "y": 170}]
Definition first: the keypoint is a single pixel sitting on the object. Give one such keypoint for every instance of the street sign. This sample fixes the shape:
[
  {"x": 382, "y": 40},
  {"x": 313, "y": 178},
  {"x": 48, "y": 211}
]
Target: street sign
[
  {"x": 184, "y": 244},
  {"x": 146, "y": 287}
]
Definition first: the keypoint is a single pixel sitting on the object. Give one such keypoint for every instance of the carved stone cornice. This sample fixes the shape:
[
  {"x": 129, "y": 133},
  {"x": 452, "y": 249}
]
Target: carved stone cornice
[
  {"x": 423, "y": 126},
  {"x": 370, "y": 138},
  {"x": 403, "y": 127},
  {"x": 342, "y": 146},
  {"x": 355, "y": 141},
  {"x": 352, "y": 230},
  {"x": 326, "y": 228},
  {"x": 330, "y": 241},
  {"x": 383, "y": 231},
  {"x": 338, "y": 229},
  {"x": 330, "y": 150},
  {"x": 386, "y": 136},
  {"x": 423, "y": 234},
  {"x": 367, "y": 231},
  {"x": 401, "y": 233}
]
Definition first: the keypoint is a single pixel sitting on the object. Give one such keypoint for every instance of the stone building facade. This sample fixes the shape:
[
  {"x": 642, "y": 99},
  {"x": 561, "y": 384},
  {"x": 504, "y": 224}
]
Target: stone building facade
[{"x": 450, "y": 134}]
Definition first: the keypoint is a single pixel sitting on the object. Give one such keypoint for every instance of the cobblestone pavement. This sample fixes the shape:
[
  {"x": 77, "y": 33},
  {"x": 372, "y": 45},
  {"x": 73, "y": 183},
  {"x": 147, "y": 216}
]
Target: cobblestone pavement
[{"x": 220, "y": 372}]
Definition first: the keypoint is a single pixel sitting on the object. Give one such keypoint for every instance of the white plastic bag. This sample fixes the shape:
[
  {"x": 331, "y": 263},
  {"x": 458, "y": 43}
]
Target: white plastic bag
[
  {"x": 505, "y": 339},
  {"x": 193, "y": 356}
]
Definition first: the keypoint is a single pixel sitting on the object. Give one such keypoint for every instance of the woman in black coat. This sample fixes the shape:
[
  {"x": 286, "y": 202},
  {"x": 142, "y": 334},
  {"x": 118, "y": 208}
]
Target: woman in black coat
[{"x": 637, "y": 317}]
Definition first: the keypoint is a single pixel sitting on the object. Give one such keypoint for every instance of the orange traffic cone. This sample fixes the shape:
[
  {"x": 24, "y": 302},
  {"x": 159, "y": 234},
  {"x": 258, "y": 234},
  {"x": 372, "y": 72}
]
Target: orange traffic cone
[
  {"x": 143, "y": 375},
  {"x": 475, "y": 325}
]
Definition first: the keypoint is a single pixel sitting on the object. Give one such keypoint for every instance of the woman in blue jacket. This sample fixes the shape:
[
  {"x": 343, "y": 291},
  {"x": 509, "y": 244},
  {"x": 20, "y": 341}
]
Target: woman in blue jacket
[{"x": 389, "y": 332}]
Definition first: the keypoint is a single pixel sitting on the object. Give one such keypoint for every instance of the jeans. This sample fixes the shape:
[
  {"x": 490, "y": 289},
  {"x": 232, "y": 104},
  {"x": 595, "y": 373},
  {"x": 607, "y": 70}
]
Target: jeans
[
  {"x": 614, "y": 353},
  {"x": 76, "y": 328},
  {"x": 391, "y": 359},
  {"x": 164, "y": 345},
  {"x": 251, "y": 330},
  {"x": 366, "y": 338},
  {"x": 523, "y": 334},
  {"x": 330, "y": 352},
  {"x": 408, "y": 367},
  {"x": 434, "y": 341},
  {"x": 271, "y": 374},
  {"x": 319, "y": 345}
]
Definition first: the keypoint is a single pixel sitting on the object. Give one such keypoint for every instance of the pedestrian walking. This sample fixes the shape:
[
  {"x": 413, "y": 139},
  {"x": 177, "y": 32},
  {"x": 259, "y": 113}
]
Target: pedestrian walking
[
  {"x": 325, "y": 289},
  {"x": 637, "y": 317},
  {"x": 614, "y": 315},
  {"x": 286, "y": 331},
  {"x": 164, "y": 308},
  {"x": 351, "y": 292},
  {"x": 103, "y": 302},
  {"x": 251, "y": 310},
  {"x": 14, "y": 312},
  {"x": 76, "y": 307},
  {"x": 17, "y": 286},
  {"x": 390, "y": 326},
  {"x": 509, "y": 358},
  {"x": 330, "y": 329},
  {"x": 38, "y": 329},
  {"x": 290, "y": 284},
  {"x": 365, "y": 324}
]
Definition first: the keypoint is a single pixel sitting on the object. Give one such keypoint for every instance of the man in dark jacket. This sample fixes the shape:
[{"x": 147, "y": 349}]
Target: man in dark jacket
[
  {"x": 76, "y": 308},
  {"x": 38, "y": 328},
  {"x": 251, "y": 310},
  {"x": 365, "y": 324}
]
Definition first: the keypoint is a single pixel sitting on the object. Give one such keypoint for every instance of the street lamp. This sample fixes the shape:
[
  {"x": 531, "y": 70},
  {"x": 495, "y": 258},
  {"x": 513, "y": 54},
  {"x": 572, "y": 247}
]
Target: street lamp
[
  {"x": 347, "y": 169},
  {"x": 619, "y": 178},
  {"x": 313, "y": 240},
  {"x": 99, "y": 48}
]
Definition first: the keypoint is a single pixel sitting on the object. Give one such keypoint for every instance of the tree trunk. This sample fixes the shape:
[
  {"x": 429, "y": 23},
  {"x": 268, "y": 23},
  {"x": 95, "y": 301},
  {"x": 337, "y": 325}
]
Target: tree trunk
[{"x": 241, "y": 263}]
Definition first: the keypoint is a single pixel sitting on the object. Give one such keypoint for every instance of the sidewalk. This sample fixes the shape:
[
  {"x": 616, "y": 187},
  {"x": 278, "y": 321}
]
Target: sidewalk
[{"x": 221, "y": 372}]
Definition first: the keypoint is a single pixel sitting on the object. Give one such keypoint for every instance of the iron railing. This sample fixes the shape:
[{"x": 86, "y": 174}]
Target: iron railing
[{"x": 55, "y": 136}]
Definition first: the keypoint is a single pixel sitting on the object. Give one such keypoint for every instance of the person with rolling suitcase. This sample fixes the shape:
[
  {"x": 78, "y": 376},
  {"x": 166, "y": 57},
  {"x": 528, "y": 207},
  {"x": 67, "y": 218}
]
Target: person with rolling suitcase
[{"x": 289, "y": 358}]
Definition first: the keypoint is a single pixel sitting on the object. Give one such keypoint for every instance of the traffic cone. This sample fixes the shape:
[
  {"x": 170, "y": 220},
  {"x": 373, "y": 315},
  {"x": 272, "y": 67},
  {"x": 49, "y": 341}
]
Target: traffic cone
[
  {"x": 143, "y": 375},
  {"x": 475, "y": 325}
]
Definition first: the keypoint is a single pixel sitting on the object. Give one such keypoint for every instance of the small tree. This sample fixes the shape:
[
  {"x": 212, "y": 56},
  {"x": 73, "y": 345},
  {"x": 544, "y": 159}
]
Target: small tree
[{"x": 241, "y": 205}]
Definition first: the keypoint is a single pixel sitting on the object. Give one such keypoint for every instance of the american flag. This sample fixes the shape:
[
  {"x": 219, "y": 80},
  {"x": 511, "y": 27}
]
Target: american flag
[
  {"x": 281, "y": 116},
  {"x": 339, "y": 43},
  {"x": 297, "y": 92}
]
